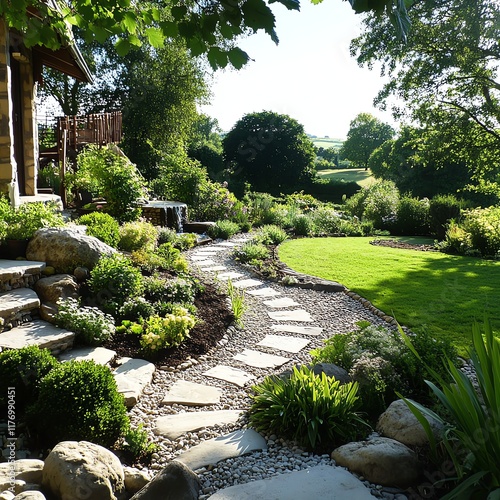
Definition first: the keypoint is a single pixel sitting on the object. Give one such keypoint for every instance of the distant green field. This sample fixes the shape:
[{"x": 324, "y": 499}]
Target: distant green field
[
  {"x": 327, "y": 142},
  {"x": 359, "y": 175}
]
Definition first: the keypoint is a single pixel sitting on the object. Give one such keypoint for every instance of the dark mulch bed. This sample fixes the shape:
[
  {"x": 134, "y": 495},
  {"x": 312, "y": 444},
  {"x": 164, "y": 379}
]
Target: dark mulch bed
[
  {"x": 401, "y": 244},
  {"x": 214, "y": 318}
]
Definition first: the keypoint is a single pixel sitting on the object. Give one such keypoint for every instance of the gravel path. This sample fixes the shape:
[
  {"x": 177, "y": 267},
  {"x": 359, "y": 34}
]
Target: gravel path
[{"x": 334, "y": 312}]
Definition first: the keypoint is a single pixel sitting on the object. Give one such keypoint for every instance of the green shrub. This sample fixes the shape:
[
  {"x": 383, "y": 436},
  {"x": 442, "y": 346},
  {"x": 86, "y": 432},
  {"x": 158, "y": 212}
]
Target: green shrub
[
  {"x": 102, "y": 226},
  {"x": 483, "y": 226},
  {"x": 237, "y": 298},
  {"x": 90, "y": 324},
  {"x": 250, "y": 252},
  {"x": 113, "y": 280},
  {"x": 166, "y": 235},
  {"x": 442, "y": 209},
  {"x": 223, "y": 229},
  {"x": 412, "y": 217},
  {"x": 78, "y": 400},
  {"x": 169, "y": 331},
  {"x": 23, "y": 369},
  {"x": 136, "y": 308},
  {"x": 456, "y": 240},
  {"x": 326, "y": 221},
  {"x": 316, "y": 411},
  {"x": 172, "y": 258},
  {"x": 107, "y": 174},
  {"x": 177, "y": 290},
  {"x": 260, "y": 207},
  {"x": 136, "y": 443},
  {"x": 138, "y": 235},
  {"x": 270, "y": 234},
  {"x": 472, "y": 428},
  {"x": 303, "y": 225}
]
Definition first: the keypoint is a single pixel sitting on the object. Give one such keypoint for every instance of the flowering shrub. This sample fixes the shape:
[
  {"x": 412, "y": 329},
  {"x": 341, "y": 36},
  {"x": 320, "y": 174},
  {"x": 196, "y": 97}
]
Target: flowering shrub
[
  {"x": 176, "y": 290},
  {"x": 169, "y": 331},
  {"x": 483, "y": 226},
  {"x": 138, "y": 235},
  {"x": 90, "y": 324}
]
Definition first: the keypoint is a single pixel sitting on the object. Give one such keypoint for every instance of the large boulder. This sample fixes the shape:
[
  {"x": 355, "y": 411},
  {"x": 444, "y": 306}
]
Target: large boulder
[
  {"x": 174, "y": 482},
  {"x": 58, "y": 286},
  {"x": 28, "y": 470},
  {"x": 64, "y": 248},
  {"x": 83, "y": 470},
  {"x": 380, "y": 460},
  {"x": 399, "y": 423}
]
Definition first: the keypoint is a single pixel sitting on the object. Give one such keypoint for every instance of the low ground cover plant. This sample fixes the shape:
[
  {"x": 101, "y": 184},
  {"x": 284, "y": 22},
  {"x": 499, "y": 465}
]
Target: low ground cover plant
[
  {"x": 91, "y": 325},
  {"x": 223, "y": 229},
  {"x": 100, "y": 415},
  {"x": 316, "y": 411}
]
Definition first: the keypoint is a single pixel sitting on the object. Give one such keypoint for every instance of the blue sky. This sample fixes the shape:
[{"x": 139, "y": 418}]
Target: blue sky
[{"x": 309, "y": 75}]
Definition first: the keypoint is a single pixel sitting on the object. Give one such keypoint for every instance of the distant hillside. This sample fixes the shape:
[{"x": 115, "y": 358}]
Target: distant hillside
[{"x": 327, "y": 142}]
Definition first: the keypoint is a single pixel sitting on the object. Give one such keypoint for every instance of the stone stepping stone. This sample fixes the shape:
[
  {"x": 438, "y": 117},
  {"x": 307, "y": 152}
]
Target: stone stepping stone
[
  {"x": 260, "y": 359},
  {"x": 294, "y": 315},
  {"x": 210, "y": 249},
  {"x": 197, "y": 258},
  {"x": 214, "y": 269},
  {"x": 284, "y": 343},
  {"x": 192, "y": 394},
  {"x": 322, "y": 481},
  {"x": 99, "y": 355},
  {"x": 263, "y": 292},
  {"x": 38, "y": 332},
  {"x": 14, "y": 301},
  {"x": 214, "y": 450},
  {"x": 229, "y": 374},
  {"x": 225, "y": 244},
  {"x": 131, "y": 377},
  {"x": 281, "y": 302},
  {"x": 231, "y": 275},
  {"x": 240, "y": 240},
  {"x": 11, "y": 269},
  {"x": 305, "y": 330},
  {"x": 249, "y": 283},
  {"x": 173, "y": 426},
  {"x": 205, "y": 262}
]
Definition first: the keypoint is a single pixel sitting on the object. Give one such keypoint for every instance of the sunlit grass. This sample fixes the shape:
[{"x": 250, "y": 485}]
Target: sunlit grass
[
  {"x": 443, "y": 292},
  {"x": 359, "y": 175}
]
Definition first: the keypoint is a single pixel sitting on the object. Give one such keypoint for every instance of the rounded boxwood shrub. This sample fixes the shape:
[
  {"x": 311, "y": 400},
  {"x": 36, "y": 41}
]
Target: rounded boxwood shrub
[
  {"x": 24, "y": 369},
  {"x": 412, "y": 217},
  {"x": 78, "y": 401},
  {"x": 102, "y": 226}
]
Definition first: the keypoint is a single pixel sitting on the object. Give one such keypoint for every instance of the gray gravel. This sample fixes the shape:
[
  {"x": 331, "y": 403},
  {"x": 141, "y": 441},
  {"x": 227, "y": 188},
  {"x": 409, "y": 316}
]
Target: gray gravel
[{"x": 335, "y": 312}]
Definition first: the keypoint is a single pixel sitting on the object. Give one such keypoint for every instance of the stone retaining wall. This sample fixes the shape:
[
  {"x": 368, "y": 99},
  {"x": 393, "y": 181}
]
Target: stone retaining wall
[{"x": 26, "y": 281}]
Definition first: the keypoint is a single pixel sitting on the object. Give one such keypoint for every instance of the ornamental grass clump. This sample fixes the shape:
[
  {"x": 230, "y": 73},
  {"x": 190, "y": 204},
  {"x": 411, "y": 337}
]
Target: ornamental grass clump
[{"x": 314, "y": 410}]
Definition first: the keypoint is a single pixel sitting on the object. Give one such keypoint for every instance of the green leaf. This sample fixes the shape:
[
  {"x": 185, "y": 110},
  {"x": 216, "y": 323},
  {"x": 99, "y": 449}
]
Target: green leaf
[
  {"x": 155, "y": 37},
  {"x": 122, "y": 47},
  {"x": 196, "y": 46},
  {"x": 217, "y": 58},
  {"x": 130, "y": 22},
  {"x": 226, "y": 31},
  {"x": 101, "y": 34},
  {"x": 169, "y": 28},
  {"x": 292, "y": 4},
  {"x": 179, "y": 12},
  {"x": 238, "y": 58},
  {"x": 257, "y": 15}
]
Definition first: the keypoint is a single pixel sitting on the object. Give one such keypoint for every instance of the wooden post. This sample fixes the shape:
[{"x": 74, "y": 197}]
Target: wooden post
[{"x": 62, "y": 172}]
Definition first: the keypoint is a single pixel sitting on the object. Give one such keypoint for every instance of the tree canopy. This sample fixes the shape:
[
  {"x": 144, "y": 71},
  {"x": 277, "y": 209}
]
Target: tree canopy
[
  {"x": 208, "y": 27},
  {"x": 270, "y": 151},
  {"x": 366, "y": 133},
  {"x": 447, "y": 76}
]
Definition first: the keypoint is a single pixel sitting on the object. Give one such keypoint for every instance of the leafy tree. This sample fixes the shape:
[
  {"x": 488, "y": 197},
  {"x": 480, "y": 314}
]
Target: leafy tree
[
  {"x": 270, "y": 151},
  {"x": 447, "y": 75},
  {"x": 208, "y": 27},
  {"x": 366, "y": 133}
]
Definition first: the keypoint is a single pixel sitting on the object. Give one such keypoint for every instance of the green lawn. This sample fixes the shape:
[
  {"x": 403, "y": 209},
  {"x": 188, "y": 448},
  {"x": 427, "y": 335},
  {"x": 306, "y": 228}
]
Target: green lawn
[
  {"x": 327, "y": 142},
  {"x": 360, "y": 175},
  {"x": 444, "y": 292}
]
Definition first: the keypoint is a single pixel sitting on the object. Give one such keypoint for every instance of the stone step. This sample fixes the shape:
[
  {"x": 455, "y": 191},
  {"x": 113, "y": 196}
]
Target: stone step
[
  {"x": 229, "y": 374},
  {"x": 259, "y": 359},
  {"x": 15, "y": 269},
  {"x": 214, "y": 269},
  {"x": 320, "y": 482},
  {"x": 305, "y": 330},
  {"x": 14, "y": 302},
  {"x": 100, "y": 355},
  {"x": 263, "y": 292},
  {"x": 214, "y": 450},
  {"x": 192, "y": 394},
  {"x": 132, "y": 376},
  {"x": 40, "y": 333},
  {"x": 230, "y": 275},
  {"x": 284, "y": 343},
  {"x": 281, "y": 302},
  {"x": 248, "y": 283},
  {"x": 291, "y": 315},
  {"x": 174, "y": 426}
]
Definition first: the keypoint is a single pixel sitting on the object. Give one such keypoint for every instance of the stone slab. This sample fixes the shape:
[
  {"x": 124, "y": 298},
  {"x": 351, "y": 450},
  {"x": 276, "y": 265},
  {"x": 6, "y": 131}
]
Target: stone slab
[
  {"x": 197, "y": 258},
  {"x": 281, "y": 302},
  {"x": 225, "y": 244},
  {"x": 260, "y": 359},
  {"x": 229, "y": 374},
  {"x": 231, "y": 445},
  {"x": 231, "y": 275},
  {"x": 173, "y": 426},
  {"x": 192, "y": 394},
  {"x": 293, "y": 315},
  {"x": 264, "y": 292},
  {"x": 211, "y": 248},
  {"x": 249, "y": 283},
  {"x": 322, "y": 481},
  {"x": 131, "y": 377},
  {"x": 10, "y": 269},
  {"x": 38, "y": 332},
  {"x": 205, "y": 262},
  {"x": 213, "y": 269},
  {"x": 20, "y": 299},
  {"x": 100, "y": 355},
  {"x": 305, "y": 330},
  {"x": 284, "y": 343}
]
